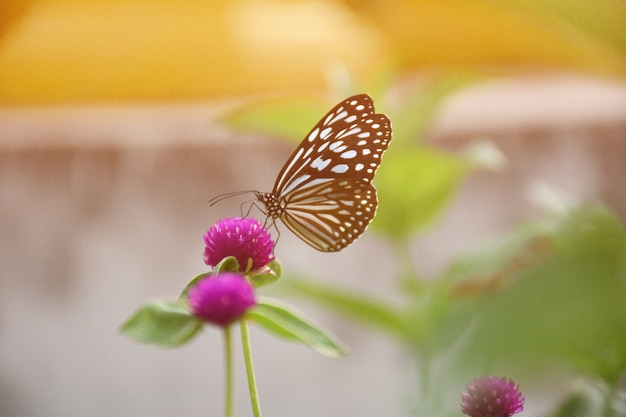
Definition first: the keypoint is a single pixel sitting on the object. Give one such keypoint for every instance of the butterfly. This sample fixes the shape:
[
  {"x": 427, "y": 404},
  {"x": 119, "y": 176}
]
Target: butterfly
[{"x": 324, "y": 192}]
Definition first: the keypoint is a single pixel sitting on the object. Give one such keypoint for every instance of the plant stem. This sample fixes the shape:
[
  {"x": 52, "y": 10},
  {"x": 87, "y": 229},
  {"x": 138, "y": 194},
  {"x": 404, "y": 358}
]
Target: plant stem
[
  {"x": 228, "y": 395},
  {"x": 247, "y": 355}
]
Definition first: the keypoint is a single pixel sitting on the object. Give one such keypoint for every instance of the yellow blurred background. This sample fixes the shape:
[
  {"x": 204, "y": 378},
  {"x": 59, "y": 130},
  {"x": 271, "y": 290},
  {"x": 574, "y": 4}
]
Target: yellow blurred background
[{"x": 55, "y": 51}]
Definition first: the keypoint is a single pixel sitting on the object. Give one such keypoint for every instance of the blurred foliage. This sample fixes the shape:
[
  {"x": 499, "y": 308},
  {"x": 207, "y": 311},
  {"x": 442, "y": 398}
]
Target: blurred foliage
[
  {"x": 557, "y": 298},
  {"x": 283, "y": 117},
  {"x": 414, "y": 187},
  {"x": 67, "y": 50},
  {"x": 286, "y": 322},
  {"x": 547, "y": 297}
]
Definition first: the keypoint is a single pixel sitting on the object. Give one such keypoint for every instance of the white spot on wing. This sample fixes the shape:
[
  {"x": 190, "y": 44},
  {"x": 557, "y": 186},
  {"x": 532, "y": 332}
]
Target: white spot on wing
[
  {"x": 320, "y": 163},
  {"x": 340, "y": 168},
  {"x": 349, "y": 154},
  {"x": 352, "y": 131},
  {"x": 334, "y": 145},
  {"x": 339, "y": 116},
  {"x": 323, "y": 146},
  {"x": 313, "y": 134}
]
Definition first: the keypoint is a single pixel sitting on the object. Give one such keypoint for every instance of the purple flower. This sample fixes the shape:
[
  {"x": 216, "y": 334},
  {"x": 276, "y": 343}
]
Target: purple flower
[
  {"x": 491, "y": 397},
  {"x": 245, "y": 239},
  {"x": 221, "y": 299}
]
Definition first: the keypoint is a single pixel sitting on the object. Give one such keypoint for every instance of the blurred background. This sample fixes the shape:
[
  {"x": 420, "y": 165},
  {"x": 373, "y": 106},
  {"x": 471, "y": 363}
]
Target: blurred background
[{"x": 119, "y": 120}]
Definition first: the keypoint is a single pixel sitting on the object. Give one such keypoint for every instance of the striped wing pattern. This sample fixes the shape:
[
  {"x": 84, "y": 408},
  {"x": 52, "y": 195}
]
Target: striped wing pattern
[{"x": 324, "y": 193}]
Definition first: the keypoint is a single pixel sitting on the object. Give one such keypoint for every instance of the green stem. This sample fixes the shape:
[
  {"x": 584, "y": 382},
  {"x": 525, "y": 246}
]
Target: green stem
[
  {"x": 247, "y": 355},
  {"x": 228, "y": 394}
]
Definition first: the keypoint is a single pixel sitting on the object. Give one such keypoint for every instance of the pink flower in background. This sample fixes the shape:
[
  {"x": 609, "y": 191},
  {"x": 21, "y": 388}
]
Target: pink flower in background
[
  {"x": 246, "y": 239},
  {"x": 221, "y": 299},
  {"x": 491, "y": 397}
]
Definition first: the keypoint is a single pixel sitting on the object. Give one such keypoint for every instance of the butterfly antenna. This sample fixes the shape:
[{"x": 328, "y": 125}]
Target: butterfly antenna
[{"x": 221, "y": 197}]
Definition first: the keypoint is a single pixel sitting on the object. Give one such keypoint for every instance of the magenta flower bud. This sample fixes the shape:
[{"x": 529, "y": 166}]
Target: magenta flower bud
[
  {"x": 491, "y": 397},
  {"x": 221, "y": 299},
  {"x": 246, "y": 239}
]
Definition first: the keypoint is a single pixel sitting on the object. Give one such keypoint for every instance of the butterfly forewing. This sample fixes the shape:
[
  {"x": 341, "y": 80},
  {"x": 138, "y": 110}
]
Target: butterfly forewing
[
  {"x": 324, "y": 193},
  {"x": 348, "y": 142}
]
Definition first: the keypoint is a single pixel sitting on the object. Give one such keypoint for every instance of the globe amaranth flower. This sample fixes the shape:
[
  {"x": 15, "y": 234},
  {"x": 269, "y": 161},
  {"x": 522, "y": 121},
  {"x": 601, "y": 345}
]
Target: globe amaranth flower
[
  {"x": 491, "y": 397},
  {"x": 221, "y": 299},
  {"x": 246, "y": 239}
]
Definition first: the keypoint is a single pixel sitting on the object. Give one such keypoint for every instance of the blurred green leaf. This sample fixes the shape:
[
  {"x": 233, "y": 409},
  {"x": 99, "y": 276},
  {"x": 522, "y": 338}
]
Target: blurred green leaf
[
  {"x": 367, "y": 311},
  {"x": 193, "y": 282},
  {"x": 163, "y": 323},
  {"x": 568, "y": 303},
  {"x": 289, "y": 117},
  {"x": 284, "y": 321},
  {"x": 418, "y": 109},
  {"x": 490, "y": 258},
  {"x": 228, "y": 264},
  {"x": 414, "y": 188},
  {"x": 268, "y": 275},
  {"x": 579, "y": 404}
]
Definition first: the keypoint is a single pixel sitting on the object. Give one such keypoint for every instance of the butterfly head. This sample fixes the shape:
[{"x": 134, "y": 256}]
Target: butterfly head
[{"x": 271, "y": 203}]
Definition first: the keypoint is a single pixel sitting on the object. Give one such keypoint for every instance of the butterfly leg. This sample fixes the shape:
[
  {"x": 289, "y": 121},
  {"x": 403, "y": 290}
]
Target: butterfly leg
[
  {"x": 272, "y": 223},
  {"x": 252, "y": 204}
]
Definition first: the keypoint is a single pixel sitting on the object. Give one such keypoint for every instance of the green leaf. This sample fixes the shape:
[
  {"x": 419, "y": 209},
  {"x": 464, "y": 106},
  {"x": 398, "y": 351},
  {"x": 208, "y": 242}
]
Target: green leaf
[
  {"x": 163, "y": 323},
  {"x": 416, "y": 113},
  {"x": 367, "y": 311},
  {"x": 284, "y": 321},
  {"x": 228, "y": 264},
  {"x": 267, "y": 275},
  {"x": 414, "y": 188},
  {"x": 285, "y": 117},
  {"x": 564, "y": 302},
  {"x": 192, "y": 283}
]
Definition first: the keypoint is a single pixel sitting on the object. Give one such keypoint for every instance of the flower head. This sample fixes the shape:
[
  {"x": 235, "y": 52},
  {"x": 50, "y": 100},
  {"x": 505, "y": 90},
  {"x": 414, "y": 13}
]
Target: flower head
[
  {"x": 491, "y": 397},
  {"x": 246, "y": 239},
  {"x": 221, "y": 299}
]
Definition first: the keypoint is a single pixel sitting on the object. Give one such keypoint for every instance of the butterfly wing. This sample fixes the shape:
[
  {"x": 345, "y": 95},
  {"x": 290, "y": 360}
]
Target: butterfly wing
[
  {"x": 348, "y": 142},
  {"x": 331, "y": 214},
  {"x": 324, "y": 192}
]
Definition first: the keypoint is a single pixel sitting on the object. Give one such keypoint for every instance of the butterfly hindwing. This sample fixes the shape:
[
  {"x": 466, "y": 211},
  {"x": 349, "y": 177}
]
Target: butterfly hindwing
[{"x": 332, "y": 214}]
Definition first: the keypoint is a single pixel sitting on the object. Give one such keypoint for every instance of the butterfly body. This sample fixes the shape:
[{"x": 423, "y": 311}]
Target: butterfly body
[{"x": 324, "y": 192}]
